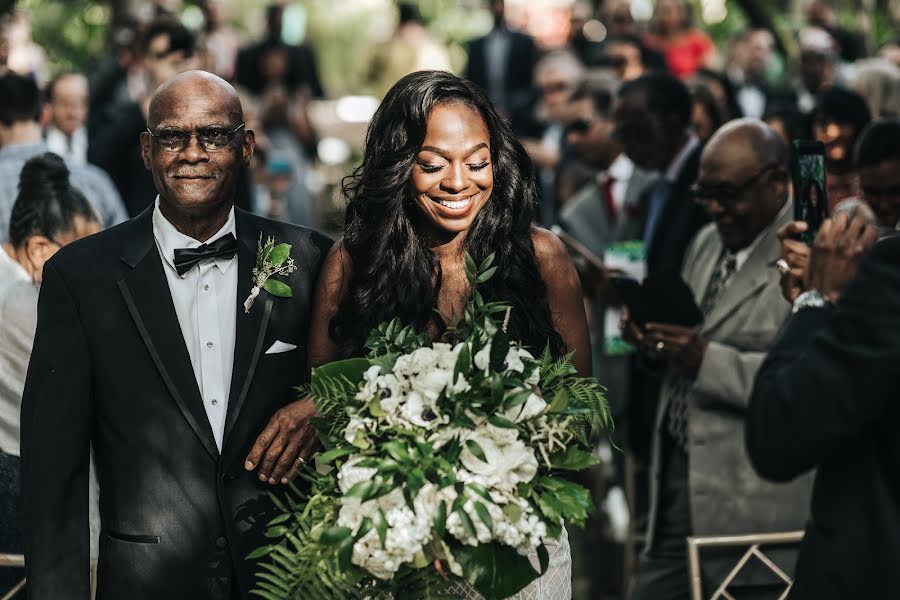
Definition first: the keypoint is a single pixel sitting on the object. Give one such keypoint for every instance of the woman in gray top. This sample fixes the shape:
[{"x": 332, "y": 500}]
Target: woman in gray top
[{"x": 48, "y": 214}]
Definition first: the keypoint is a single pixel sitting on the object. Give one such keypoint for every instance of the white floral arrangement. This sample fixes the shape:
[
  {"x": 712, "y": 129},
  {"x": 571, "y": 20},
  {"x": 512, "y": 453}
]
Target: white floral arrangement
[{"x": 442, "y": 463}]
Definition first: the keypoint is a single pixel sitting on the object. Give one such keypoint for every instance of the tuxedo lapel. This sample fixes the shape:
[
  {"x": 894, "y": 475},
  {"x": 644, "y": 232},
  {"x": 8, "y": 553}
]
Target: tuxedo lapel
[
  {"x": 149, "y": 301},
  {"x": 250, "y": 328}
]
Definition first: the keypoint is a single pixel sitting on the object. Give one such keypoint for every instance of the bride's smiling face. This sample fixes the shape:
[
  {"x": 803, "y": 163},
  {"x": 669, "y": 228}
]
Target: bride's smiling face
[{"x": 453, "y": 176}]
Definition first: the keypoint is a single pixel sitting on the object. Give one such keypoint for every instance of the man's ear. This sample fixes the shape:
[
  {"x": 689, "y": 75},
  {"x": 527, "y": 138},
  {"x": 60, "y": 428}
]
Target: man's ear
[
  {"x": 145, "y": 149},
  {"x": 248, "y": 146}
]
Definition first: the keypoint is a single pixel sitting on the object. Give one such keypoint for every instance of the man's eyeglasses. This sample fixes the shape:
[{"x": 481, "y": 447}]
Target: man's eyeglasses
[
  {"x": 581, "y": 125},
  {"x": 726, "y": 194},
  {"x": 210, "y": 138}
]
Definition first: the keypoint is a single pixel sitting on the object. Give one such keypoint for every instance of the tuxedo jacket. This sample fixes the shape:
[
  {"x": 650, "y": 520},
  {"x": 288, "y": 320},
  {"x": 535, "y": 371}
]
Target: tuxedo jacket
[
  {"x": 726, "y": 496},
  {"x": 826, "y": 398},
  {"x": 110, "y": 368}
]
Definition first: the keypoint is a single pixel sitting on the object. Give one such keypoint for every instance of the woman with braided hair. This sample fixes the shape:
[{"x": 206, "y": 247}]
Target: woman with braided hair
[{"x": 48, "y": 214}]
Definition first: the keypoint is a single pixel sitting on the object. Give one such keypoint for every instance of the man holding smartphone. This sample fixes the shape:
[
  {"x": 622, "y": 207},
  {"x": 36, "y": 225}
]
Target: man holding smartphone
[{"x": 702, "y": 481}]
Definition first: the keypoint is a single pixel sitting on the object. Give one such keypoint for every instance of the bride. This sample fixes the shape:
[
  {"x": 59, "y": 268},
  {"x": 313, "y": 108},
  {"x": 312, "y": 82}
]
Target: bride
[{"x": 443, "y": 175}]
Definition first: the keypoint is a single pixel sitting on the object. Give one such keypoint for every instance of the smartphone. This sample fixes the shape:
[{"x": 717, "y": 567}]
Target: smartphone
[{"x": 810, "y": 202}]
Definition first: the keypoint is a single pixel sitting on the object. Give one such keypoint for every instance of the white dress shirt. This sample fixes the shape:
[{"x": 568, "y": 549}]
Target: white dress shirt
[
  {"x": 621, "y": 171},
  {"x": 71, "y": 147},
  {"x": 205, "y": 301}
]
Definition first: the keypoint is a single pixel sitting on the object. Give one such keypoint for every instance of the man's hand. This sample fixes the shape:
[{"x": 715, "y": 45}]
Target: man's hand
[
  {"x": 631, "y": 333},
  {"x": 796, "y": 254},
  {"x": 283, "y": 447},
  {"x": 839, "y": 247},
  {"x": 682, "y": 347}
]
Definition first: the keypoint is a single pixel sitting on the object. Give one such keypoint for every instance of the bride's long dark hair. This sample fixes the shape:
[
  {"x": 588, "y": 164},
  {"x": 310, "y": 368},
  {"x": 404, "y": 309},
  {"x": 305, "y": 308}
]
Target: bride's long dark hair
[{"x": 395, "y": 274}]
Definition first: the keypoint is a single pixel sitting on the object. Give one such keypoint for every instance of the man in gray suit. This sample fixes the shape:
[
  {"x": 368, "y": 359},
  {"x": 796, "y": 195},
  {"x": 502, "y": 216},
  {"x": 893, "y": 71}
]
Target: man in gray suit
[
  {"x": 702, "y": 481},
  {"x": 606, "y": 210}
]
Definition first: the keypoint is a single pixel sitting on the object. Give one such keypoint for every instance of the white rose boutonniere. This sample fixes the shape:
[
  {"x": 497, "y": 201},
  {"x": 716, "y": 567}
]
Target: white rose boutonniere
[{"x": 271, "y": 260}]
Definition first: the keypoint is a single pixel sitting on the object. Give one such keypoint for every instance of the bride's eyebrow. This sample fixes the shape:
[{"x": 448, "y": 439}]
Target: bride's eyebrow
[{"x": 446, "y": 153}]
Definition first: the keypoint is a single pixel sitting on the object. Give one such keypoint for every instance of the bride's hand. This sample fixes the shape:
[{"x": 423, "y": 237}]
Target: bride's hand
[{"x": 284, "y": 445}]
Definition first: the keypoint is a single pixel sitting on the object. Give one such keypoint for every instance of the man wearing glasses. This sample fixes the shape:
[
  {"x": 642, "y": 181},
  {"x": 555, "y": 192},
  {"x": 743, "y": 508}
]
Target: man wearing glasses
[
  {"x": 702, "y": 482},
  {"x": 145, "y": 349}
]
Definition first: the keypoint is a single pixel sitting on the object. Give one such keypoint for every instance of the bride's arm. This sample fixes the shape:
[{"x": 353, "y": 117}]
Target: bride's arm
[
  {"x": 330, "y": 290},
  {"x": 564, "y": 296}
]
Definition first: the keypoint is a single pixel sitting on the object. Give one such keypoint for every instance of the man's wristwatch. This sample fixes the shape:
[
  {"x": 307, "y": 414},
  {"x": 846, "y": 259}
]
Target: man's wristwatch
[{"x": 810, "y": 299}]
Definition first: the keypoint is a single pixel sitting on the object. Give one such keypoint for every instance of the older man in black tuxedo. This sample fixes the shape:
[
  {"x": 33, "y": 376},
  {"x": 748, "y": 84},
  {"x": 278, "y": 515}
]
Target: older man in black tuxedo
[{"x": 144, "y": 349}]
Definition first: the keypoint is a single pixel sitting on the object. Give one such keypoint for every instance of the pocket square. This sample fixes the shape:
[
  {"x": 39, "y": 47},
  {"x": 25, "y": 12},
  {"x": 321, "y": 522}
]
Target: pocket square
[{"x": 278, "y": 347}]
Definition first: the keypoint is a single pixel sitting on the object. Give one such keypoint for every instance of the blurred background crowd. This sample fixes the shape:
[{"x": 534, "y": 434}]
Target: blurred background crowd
[{"x": 311, "y": 74}]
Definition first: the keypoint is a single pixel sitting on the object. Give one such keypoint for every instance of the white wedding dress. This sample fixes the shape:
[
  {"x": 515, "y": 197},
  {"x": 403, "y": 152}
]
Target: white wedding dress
[{"x": 555, "y": 584}]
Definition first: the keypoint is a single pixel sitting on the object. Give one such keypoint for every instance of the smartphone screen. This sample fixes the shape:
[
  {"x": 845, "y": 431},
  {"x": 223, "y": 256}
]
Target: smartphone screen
[{"x": 810, "y": 202}]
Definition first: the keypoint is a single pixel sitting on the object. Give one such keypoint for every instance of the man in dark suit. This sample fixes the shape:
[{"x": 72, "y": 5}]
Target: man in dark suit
[
  {"x": 273, "y": 62},
  {"x": 147, "y": 352},
  {"x": 652, "y": 119},
  {"x": 502, "y": 64},
  {"x": 825, "y": 398}
]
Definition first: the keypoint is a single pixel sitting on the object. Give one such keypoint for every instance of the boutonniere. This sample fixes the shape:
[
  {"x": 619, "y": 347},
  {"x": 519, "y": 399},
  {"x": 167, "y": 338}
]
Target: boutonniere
[{"x": 271, "y": 260}]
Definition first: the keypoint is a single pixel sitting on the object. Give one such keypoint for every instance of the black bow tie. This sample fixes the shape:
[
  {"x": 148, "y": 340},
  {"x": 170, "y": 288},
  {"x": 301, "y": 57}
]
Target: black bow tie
[{"x": 186, "y": 258}]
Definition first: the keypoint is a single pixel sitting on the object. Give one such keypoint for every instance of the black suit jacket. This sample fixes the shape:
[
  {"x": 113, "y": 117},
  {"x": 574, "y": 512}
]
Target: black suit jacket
[
  {"x": 518, "y": 83},
  {"x": 110, "y": 368},
  {"x": 679, "y": 222},
  {"x": 826, "y": 398}
]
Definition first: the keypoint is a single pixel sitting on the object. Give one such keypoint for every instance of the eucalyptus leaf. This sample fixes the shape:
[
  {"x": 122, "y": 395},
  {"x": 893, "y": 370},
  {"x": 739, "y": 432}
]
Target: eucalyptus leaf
[
  {"x": 260, "y": 552},
  {"x": 483, "y": 514},
  {"x": 486, "y": 275},
  {"x": 335, "y": 535},
  {"x": 440, "y": 519},
  {"x": 473, "y": 447},
  {"x": 277, "y": 288},
  {"x": 471, "y": 267},
  {"x": 279, "y": 254},
  {"x": 573, "y": 459},
  {"x": 498, "y": 421},
  {"x": 487, "y": 262},
  {"x": 335, "y": 453},
  {"x": 467, "y": 523}
]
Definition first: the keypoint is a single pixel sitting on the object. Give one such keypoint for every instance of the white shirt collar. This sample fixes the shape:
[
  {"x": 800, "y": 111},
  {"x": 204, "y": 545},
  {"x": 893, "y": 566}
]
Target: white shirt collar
[
  {"x": 743, "y": 254},
  {"x": 675, "y": 166},
  {"x": 621, "y": 169},
  {"x": 168, "y": 239}
]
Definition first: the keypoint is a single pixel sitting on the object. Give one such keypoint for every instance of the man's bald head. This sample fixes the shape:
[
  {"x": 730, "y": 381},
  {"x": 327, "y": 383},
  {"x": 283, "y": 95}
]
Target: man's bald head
[
  {"x": 192, "y": 85},
  {"x": 743, "y": 180},
  {"x": 752, "y": 137}
]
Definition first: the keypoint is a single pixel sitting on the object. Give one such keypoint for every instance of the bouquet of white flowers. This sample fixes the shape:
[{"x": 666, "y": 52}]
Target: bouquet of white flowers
[{"x": 442, "y": 462}]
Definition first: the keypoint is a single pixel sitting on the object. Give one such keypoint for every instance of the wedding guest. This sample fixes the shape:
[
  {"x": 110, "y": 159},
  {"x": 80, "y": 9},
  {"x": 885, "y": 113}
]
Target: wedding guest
[
  {"x": 824, "y": 399},
  {"x": 878, "y": 162},
  {"x": 47, "y": 215},
  {"x": 20, "y": 139},
  {"x": 630, "y": 57},
  {"x": 442, "y": 174},
  {"x": 220, "y": 40},
  {"x": 686, "y": 48},
  {"x": 67, "y": 102},
  {"x": 144, "y": 351},
  {"x": 652, "y": 119},
  {"x": 502, "y": 64},
  {"x": 556, "y": 75},
  {"x": 272, "y": 62},
  {"x": 167, "y": 48},
  {"x": 839, "y": 118},
  {"x": 818, "y": 66},
  {"x": 705, "y": 484},
  {"x": 877, "y": 80}
]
